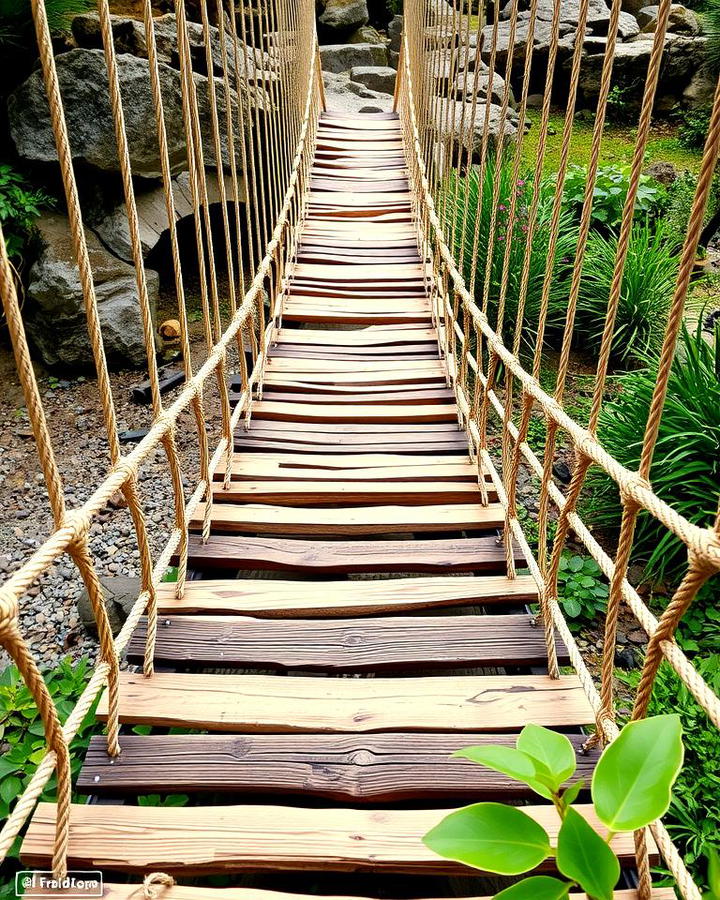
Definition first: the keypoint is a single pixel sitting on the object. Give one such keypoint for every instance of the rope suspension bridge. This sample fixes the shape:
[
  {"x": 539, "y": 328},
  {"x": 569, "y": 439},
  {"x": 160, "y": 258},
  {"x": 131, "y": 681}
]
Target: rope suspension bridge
[{"x": 359, "y": 439}]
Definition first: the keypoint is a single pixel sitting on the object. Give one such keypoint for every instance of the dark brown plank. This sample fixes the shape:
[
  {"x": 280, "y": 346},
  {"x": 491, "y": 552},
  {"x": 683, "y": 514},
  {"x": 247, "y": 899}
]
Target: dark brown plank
[
  {"x": 229, "y": 552},
  {"x": 348, "y": 645},
  {"x": 346, "y": 768}
]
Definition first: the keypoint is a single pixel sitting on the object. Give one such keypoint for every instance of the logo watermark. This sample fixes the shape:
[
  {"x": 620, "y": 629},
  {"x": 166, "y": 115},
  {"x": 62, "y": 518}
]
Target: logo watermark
[{"x": 77, "y": 883}]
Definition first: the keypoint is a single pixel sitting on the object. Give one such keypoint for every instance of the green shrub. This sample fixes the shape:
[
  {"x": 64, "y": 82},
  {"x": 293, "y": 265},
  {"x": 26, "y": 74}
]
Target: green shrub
[
  {"x": 679, "y": 205},
  {"x": 22, "y": 738},
  {"x": 611, "y": 187},
  {"x": 647, "y": 289},
  {"x": 480, "y": 197},
  {"x": 19, "y": 210},
  {"x": 686, "y": 465},
  {"x": 694, "y": 128},
  {"x": 581, "y": 591}
]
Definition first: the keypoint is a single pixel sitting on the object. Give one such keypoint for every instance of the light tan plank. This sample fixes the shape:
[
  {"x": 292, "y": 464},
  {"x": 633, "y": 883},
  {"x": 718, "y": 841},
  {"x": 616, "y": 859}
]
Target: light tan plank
[
  {"x": 268, "y": 519},
  {"x": 274, "y": 704},
  {"x": 276, "y": 598},
  {"x": 201, "y": 840},
  {"x": 405, "y": 493}
]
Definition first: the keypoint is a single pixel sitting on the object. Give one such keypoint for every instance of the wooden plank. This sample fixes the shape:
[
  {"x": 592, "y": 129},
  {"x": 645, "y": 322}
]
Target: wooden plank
[
  {"x": 113, "y": 891},
  {"x": 271, "y": 703},
  {"x": 350, "y": 520},
  {"x": 352, "y": 769},
  {"x": 249, "y": 442},
  {"x": 365, "y": 337},
  {"x": 203, "y": 840},
  {"x": 268, "y": 468},
  {"x": 311, "y": 493},
  {"x": 298, "y": 412},
  {"x": 419, "y": 397},
  {"x": 479, "y": 554},
  {"x": 276, "y": 598},
  {"x": 348, "y": 645}
]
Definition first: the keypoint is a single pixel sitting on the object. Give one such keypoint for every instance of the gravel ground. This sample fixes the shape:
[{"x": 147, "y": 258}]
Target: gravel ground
[{"x": 49, "y": 619}]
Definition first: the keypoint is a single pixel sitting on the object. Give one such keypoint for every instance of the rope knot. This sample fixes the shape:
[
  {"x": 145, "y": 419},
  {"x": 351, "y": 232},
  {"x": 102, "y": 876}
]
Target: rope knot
[
  {"x": 634, "y": 484},
  {"x": 150, "y": 892}
]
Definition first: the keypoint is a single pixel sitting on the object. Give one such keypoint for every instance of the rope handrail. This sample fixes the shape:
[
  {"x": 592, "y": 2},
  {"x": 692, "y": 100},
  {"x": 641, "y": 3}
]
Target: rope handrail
[
  {"x": 290, "y": 153},
  {"x": 458, "y": 314}
]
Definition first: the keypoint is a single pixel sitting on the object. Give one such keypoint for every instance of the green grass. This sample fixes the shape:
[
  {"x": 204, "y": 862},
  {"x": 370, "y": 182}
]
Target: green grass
[{"x": 617, "y": 146}]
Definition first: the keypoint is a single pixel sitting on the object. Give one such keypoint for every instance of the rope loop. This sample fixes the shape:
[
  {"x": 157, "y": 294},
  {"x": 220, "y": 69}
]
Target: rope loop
[
  {"x": 9, "y": 611},
  {"x": 161, "y": 879}
]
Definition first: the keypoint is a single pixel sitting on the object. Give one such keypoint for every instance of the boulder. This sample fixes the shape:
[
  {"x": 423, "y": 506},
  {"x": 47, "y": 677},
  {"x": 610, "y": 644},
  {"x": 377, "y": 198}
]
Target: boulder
[
  {"x": 541, "y": 41},
  {"x": 464, "y": 88},
  {"x": 663, "y": 172},
  {"x": 445, "y": 64},
  {"x": 628, "y": 26},
  {"x": 55, "y": 312},
  {"x": 341, "y": 17},
  {"x": 701, "y": 89},
  {"x": 394, "y": 32},
  {"x": 344, "y": 95},
  {"x": 377, "y": 78},
  {"x": 629, "y": 69},
  {"x": 461, "y": 131},
  {"x": 680, "y": 21},
  {"x": 598, "y": 13},
  {"x": 113, "y": 230},
  {"x": 343, "y": 57},
  {"x": 129, "y": 37},
  {"x": 366, "y": 35},
  {"x": 683, "y": 57},
  {"x": 119, "y": 595},
  {"x": 84, "y": 87}
]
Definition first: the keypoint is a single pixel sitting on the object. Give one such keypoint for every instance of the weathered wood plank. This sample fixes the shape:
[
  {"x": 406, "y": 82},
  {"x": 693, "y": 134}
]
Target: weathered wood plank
[
  {"x": 349, "y": 520},
  {"x": 380, "y": 768},
  {"x": 228, "y": 552},
  {"x": 271, "y": 703},
  {"x": 307, "y": 412},
  {"x": 199, "y": 840},
  {"x": 286, "y": 468},
  {"x": 342, "y": 598},
  {"x": 329, "y": 493},
  {"x": 348, "y": 645}
]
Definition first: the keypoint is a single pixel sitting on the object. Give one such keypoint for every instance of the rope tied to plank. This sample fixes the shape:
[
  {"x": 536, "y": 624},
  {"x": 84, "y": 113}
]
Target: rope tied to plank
[{"x": 155, "y": 883}]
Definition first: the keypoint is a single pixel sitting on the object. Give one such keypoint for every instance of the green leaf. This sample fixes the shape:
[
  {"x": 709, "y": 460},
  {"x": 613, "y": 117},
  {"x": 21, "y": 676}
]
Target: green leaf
[
  {"x": 492, "y": 837},
  {"x": 10, "y": 788},
  {"x": 575, "y": 564},
  {"x": 536, "y": 887},
  {"x": 632, "y": 782},
  {"x": 553, "y": 751},
  {"x": 570, "y": 794},
  {"x": 583, "y": 856},
  {"x": 713, "y": 874},
  {"x": 509, "y": 761}
]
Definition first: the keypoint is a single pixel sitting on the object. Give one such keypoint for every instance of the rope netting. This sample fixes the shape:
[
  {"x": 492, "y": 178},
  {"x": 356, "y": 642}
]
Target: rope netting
[
  {"x": 445, "y": 139},
  {"x": 264, "y": 98}
]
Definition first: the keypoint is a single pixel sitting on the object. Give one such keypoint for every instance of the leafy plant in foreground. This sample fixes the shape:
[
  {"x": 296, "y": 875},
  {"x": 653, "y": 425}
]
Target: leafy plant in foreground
[
  {"x": 631, "y": 787},
  {"x": 646, "y": 293},
  {"x": 19, "y": 209}
]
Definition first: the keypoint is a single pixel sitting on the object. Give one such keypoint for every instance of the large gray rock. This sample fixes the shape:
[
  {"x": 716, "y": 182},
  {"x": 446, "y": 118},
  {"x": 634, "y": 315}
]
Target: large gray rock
[
  {"x": 598, "y": 12},
  {"x": 628, "y": 26},
  {"x": 55, "y": 313},
  {"x": 119, "y": 595},
  {"x": 466, "y": 87},
  {"x": 394, "y": 32},
  {"x": 541, "y": 41},
  {"x": 680, "y": 21},
  {"x": 366, "y": 34},
  {"x": 377, "y": 78},
  {"x": 113, "y": 230},
  {"x": 129, "y": 37},
  {"x": 701, "y": 89},
  {"x": 344, "y": 95},
  {"x": 340, "y": 17},
  {"x": 629, "y": 69},
  {"x": 343, "y": 57},
  {"x": 458, "y": 131},
  {"x": 84, "y": 87}
]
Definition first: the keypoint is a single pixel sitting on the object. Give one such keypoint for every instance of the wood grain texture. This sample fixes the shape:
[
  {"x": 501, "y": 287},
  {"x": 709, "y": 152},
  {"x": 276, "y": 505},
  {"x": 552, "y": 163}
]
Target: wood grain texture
[
  {"x": 271, "y": 703},
  {"x": 270, "y": 599},
  {"x": 287, "y": 469},
  {"x": 197, "y": 840},
  {"x": 349, "y": 520},
  {"x": 308, "y": 412},
  {"x": 481, "y": 554},
  {"x": 380, "y": 768},
  {"x": 347, "y": 645},
  {"x": 324, "y": 493}
]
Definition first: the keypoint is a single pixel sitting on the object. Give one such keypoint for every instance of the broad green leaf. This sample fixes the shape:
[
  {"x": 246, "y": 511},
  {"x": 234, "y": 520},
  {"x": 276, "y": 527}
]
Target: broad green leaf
[
  {"x": 570, "y": 794},
  {"x": 10, "y": 788},
  {"x": 536, "y": 887},
  {"x": 492, "y": 837},
  {"x": 632, "y": 782},
  {"x": 713, "y": 874},
  {"x": 509, "y": 761},
  {"x": 552, "y": 750},
  {"x": 583, "y": 856}
]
